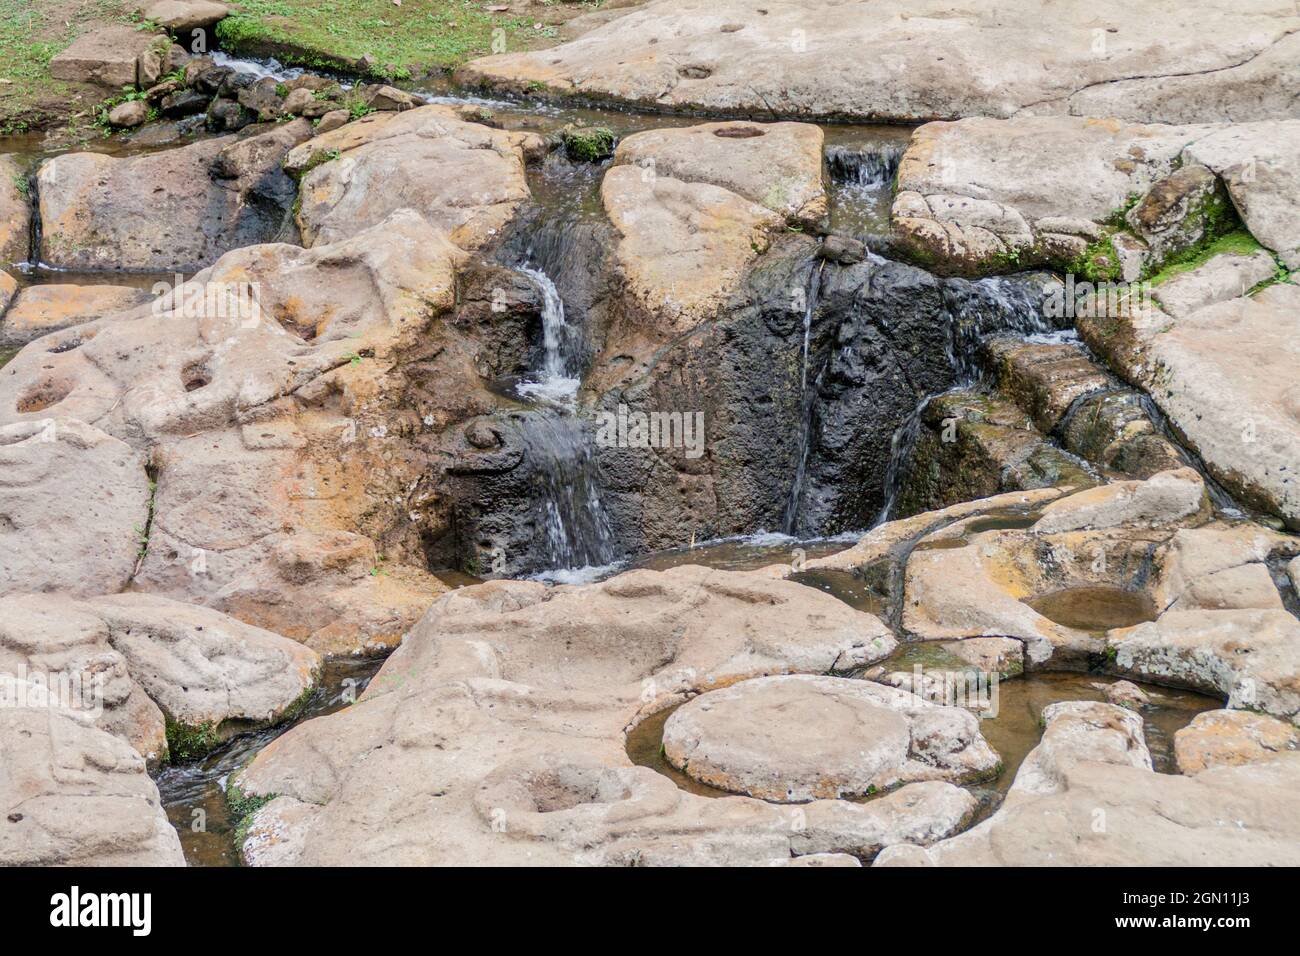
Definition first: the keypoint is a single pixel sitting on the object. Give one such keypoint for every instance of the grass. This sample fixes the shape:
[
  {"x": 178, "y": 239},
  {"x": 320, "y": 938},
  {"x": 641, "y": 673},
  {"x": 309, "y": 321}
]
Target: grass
[
  {"x": 31, "y": 34},
  {"x": 420, "y": 36}
]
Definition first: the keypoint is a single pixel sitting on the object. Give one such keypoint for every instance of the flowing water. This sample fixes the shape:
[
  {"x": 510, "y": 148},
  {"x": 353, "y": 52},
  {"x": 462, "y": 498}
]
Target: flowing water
[
  {"x": 554, "y": 384},
  {"x": 812, "y": 292},
  {"x": 578, "y": 540},
  {"x": 992, "y": 307},
  {"x": 193, "y": 794}
]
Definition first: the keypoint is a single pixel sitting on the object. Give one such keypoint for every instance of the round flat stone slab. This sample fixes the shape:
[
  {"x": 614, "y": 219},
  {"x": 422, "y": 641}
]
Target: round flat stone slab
[{"x": 789, "y": 739}]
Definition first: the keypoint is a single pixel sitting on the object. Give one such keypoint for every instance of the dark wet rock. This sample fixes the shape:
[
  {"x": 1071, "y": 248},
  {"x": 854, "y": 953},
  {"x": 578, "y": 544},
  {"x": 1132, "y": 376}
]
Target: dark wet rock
[
  {"x": 183, "y": 103},
  {"x": 212, "y": 79},
  {"x": 974, "y": 446},
  {"x": 263, "y": 98},
  {"x": 228, "y": 116}
]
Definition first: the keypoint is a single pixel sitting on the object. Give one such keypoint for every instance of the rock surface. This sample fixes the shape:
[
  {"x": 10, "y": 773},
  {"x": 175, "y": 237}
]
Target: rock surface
[
  {"x": 76, "y": 796},
  {"x": 464, "y": 178},
  {"x": 1220, "y": 375},
  {"x": 683, "y": 247},
  {"x": 40, "y": 309},
  {"x": 777, "y": 165},
  {"x": 203, "y": 200},
  {"x": 15, "y": 214},
  {"x": 1086, "y": 796},
  {"x": 803, "y": 737},
  {"x": 498, "y": 729},
  {"x": 908, "y": 60},
  {"x": 248, "y": 392},
  {"x": 140, "y": 666},
  {"x": 74, "y": 505},
  {"x": 1230, "y": 738},
  {"x": 106, "y": 56}
]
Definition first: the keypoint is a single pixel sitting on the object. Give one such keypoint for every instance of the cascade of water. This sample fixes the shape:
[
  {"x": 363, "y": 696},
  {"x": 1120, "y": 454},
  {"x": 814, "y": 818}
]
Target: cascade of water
[
  {"x": 869, "y": 168},
  {"x": 553, "y": 384},
  {"x": 811, "y": 292},
  {"x": 574, "y": 523},
  {"x": 575, "y": 527},
  {"x": 991, "y": 306}
]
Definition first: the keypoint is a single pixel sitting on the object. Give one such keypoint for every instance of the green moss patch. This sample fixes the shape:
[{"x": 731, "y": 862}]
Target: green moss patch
[
  {"x": 243, "y": 806},
  {"x": 191, "y": 741},
  {"x": 1238, "y": 242},
  {"x": 588, "y": 144}
]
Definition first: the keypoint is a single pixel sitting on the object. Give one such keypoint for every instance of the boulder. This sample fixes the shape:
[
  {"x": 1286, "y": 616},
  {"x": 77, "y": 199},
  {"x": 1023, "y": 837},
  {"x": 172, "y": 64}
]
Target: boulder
[
  {"x": 1161, "y": 500},
  {"x": 1086, "y": 796},
  {"x": 1220, "y": 566},
  {"x": 985, "y": 195},
  {"x": 682, "y": 247},
  {"x": 105, "y": 56},
  {"x": 464, "y": 178},
  {"x": 74, "y": 507},
  {"x": 777, "y": 165},
  {"x": 181, "y": 16},
  {"x": 1260, "y": 163},
  {"x": 73, "y": 795},
  {"x": 499, "y": 727},
  {"x": 41, "y": 309},
  {"x": 140, "y": 666},
  {"x": 1249, "y": 657},
  {"x": 802, "y": 737},
  {"x": 128, "y": 115},
  {"x": 1231, "y": 738},
  {"x": 910, "y": 60},
  {"x": 298, "y": 449},
  {"x": 61, "y": 644},
  {"x": 203, "y": 200},
  {"x": 1221, "y": 376},
  {"x": 15, "y": 214},
  {"x": 211, "y": 675}
]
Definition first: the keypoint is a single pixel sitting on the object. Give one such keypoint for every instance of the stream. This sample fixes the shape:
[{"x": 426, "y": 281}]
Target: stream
[{"x": 579, "y": 544}]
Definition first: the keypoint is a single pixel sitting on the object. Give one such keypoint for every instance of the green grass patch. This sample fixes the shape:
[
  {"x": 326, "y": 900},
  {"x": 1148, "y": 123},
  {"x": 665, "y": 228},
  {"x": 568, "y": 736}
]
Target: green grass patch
[
  {"x": 417, "y": 37},
  {"x": 32, "y": 32}
]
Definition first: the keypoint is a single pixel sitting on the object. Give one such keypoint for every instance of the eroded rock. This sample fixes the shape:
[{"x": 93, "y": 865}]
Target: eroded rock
[
  {"x": 502, "y": 721},
  {"x": 1086, "y": 796},
  {"x": 73, "y": 795},
  {"x": 464, "y": 178},
  {"x": 804, "y": 737},
  {"x": 203, "y": 200},
  {"x": 909, "y": 61}
]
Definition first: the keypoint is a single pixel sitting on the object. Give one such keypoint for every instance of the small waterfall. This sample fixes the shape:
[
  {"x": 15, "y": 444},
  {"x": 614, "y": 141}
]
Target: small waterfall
[
  {"x": 575, "y": 526},
  {"x": 812, "y": 291},
  {"x": 869, "y": 168},
  {"x": 572, "y": 518},
  {"x": 554, "y": 384},
  {"x": 982, "y": 308}
]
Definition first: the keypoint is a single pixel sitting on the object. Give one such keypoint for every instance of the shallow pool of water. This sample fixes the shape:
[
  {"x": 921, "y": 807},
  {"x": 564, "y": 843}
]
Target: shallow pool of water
[
  {"x": 1096, "y": 609},
  {"x": 1013, "y": 729}
]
